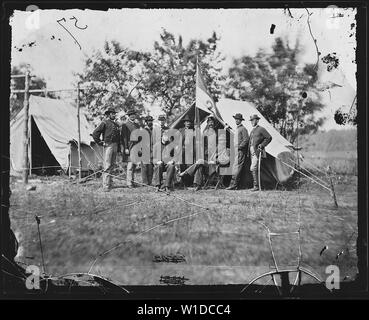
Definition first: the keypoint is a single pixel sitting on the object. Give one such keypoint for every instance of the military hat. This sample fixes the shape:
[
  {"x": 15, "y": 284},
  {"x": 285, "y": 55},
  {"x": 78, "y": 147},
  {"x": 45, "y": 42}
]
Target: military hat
[
  {"x": 254, "y": 116},
  {"x": 149, "y": 118},
  {"x": 131, "y": 111},
  {"x": 110, "y": 110},
  {"x": 162, "y": 117},
  {"x": 186, "y": 118},
  {"x": 238, "y": 116}
]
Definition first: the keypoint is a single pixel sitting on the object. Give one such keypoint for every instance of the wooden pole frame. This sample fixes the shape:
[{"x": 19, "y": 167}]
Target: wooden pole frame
[
  {"x": 79, "y": 136},
  {"x": 26, "y": 129},
  {"x": 27, "y": 164}
]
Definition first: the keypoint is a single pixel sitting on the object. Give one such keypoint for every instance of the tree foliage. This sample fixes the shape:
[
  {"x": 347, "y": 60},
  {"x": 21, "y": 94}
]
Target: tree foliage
[
  {"x": 111, "y": 79},
  {"x": 121, "y": 78},
  {"x": 171, "y": 71},
  {"x": 274, "y": 82}
]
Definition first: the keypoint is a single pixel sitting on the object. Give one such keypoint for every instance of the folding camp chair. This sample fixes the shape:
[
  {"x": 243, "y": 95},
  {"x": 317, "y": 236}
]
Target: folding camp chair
[{"x": 217, "y": 177}]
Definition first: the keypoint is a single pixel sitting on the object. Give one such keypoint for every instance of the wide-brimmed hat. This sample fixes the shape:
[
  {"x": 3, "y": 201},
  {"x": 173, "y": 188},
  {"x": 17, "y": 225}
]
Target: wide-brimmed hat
[
  {"x": 238, "y": 116},
  {"x": 149, "y": 118},
  {"x": 254, "y": 116},
  {"x": 131, "y": 111},
  {"x": 109, "y": 111},
  {"x": 162, "y": 117},
  {"x": 186, "y": 118}
]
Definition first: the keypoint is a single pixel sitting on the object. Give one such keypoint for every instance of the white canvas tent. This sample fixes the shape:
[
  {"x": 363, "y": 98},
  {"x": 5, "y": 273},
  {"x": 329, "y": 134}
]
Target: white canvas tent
[
  {"x": 278, "y": 150},
  {"x": 274, "y": 169},
  {"x": 229, "y": 107},
  {"x": 53, "y": 137}
]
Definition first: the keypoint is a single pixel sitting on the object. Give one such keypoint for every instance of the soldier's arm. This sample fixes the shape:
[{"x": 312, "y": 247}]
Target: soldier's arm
[
  {"x": 267, "y": 138},
  {"x": 98, "y": 131},
  {"x": 245, "y": 139}
]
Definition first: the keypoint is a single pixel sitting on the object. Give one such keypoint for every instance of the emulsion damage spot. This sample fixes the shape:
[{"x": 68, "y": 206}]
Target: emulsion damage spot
[{"x": 331, "y": 60}]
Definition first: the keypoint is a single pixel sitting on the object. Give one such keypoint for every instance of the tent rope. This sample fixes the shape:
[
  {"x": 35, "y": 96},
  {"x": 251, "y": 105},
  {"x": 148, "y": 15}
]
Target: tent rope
[
  {"x": 317, "y": 178},
  {"x": 304, "y": 175}
]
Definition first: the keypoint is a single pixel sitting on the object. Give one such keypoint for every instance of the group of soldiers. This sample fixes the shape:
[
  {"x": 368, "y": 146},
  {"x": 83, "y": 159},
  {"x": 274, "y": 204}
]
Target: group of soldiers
[{"x": 117, "y": 139}]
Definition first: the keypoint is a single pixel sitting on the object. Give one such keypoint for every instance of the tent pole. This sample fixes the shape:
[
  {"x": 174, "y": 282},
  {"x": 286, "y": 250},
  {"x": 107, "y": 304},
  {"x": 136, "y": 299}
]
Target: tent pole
[
  {"x": 30, "y": 146},
  {"x": 79, "y": 137},
  {"x": 198, "y": 142},
  {"x": 70, "y": 161},
  {"x": 25, "y": 132}
]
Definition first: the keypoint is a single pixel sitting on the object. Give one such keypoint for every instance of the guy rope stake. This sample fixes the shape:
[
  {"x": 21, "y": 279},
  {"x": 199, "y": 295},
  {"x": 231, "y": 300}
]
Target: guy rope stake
[{"x": 38, "y": 220}]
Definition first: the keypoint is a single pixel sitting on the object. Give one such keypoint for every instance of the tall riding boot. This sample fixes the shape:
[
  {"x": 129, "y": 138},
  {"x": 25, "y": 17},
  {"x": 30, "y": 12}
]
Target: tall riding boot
[{"x": 256, "y": 182}]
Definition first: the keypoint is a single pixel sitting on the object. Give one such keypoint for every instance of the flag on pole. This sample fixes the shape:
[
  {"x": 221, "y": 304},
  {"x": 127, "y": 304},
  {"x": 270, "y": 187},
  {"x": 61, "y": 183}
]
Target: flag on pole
[{"x": 203, "y": 98}]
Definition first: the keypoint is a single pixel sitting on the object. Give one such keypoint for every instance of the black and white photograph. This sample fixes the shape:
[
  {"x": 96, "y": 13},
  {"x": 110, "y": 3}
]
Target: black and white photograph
[{"x": 155, "y": 152}]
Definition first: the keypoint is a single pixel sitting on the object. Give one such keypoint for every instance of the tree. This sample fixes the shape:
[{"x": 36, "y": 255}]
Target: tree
[
  {"x": 111, "y": 78},
  {"x": 17, "y": 99},
  {"x": 283, "y": 90},
  {"x": 171, "y": 69}
]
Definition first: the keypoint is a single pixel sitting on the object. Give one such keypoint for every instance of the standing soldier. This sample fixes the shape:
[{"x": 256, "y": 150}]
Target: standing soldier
[
  {"x": 241, "y": 149},
  {"x": 259, "y": 139},
  {"x": 109, "y": 130},
  {"x": 186, "y": 145},
  {"x": 147, "y": 169},
  {"x": 127, "y": 128}
]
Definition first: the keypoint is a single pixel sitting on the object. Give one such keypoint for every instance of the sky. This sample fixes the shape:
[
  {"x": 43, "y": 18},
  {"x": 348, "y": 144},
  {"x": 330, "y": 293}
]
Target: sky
[{"x": 55, "y": 55}]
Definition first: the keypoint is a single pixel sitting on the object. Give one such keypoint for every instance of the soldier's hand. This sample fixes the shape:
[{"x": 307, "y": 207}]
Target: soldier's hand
[
  {"x": 126, "y": 151},
  {"x": 260, "y": 147}
]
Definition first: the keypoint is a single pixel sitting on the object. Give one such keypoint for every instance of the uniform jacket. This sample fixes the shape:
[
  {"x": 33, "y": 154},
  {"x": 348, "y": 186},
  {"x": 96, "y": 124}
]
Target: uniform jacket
[
  {"x": 187, "y": 148},
  {"x": 149, "y": 130},
  {"x": 163, "y": 141},
  {"x": 126, "y": 130},
  {"x": 259, "y": 137},
  {"x": 243, "y": 138},
  {"x": 109, "y": 131},
  {"x": 208, "y": 132}
]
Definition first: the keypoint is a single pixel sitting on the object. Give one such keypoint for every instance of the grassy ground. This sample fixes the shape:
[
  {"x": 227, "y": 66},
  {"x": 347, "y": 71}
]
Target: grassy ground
[
  {"x": 225, "y": 244},
  {"x": 341, "y": 162}
]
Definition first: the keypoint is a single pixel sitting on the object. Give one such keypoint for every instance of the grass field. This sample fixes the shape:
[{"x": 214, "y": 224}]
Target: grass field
[
  {"x": 340, "y": 162},
  {"x": 225, "y": 244}
]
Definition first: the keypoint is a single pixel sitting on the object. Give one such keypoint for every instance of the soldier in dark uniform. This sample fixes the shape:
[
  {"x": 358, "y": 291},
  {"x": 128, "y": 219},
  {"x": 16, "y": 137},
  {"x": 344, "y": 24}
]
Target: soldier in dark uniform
[
  {"x": 259, "y": 139},
  {"x": 147, "y": 169},
  {"x": 187, "y": 147},
  {"x": 127, "y": 128},
  {"x": 109, "y": 130},
  {"x": 197, "y": 171},
  {"x": 159, "y": 165},
  {"x": 241, "y": 149}
]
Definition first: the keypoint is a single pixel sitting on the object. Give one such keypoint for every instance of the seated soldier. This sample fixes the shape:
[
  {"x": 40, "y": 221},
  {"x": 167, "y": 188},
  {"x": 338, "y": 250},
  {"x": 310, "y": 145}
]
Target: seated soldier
[
  {"x": 206, "y": 168},
  {"x": 160, "y": 166}
]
